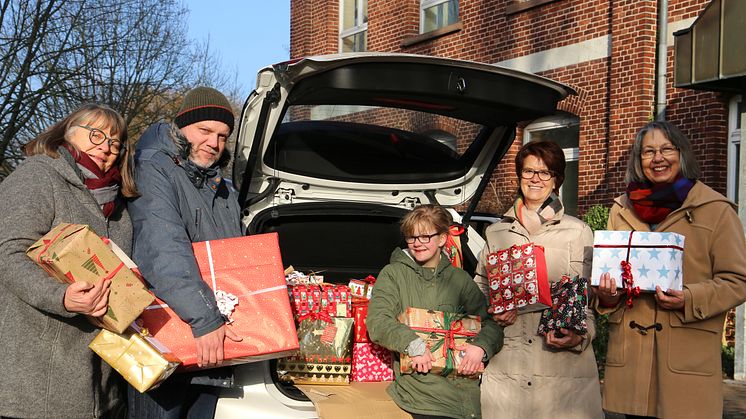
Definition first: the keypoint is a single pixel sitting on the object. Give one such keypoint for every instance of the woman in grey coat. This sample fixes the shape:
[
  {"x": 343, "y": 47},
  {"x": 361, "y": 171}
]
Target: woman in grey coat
[{"x": 77, "y": 171}]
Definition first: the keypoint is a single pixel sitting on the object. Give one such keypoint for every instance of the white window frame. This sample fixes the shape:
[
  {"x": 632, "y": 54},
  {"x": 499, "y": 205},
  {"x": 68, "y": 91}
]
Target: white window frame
[
  {"x": 426, "y": 4},
  {"x": 362, "y": 27},
  {"x": 734, "y": 140},
  {"x": 554, "y": 122}
]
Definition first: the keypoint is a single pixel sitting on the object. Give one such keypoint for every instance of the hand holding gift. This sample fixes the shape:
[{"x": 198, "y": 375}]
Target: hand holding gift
[
  {"x": 210, "y": 346},
  {"x": 86, "y": 298},
  {"x": 422, "y": 363},
  {"x": 471, "y": 363}
]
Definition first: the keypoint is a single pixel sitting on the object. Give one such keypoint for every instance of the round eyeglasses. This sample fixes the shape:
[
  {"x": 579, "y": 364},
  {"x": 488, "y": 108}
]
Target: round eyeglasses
[
  {"x": 543, "y": 174},
  {"x": 424, "y": 239},
  {"x": 666, "y": 152},
  {"x": 97, "y": 137}
]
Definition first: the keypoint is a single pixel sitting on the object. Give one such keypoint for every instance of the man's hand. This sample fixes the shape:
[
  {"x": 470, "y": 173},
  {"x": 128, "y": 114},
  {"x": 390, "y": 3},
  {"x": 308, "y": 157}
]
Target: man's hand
[
  {"x": 471, "y": 363},
  {"x": 569, "y": 340},
  {"x": 506, "y": 318},
  {"x": 82, "y": 297},
  {"x": 210, "y": 346},
  {"x": 422, "y": 363}
]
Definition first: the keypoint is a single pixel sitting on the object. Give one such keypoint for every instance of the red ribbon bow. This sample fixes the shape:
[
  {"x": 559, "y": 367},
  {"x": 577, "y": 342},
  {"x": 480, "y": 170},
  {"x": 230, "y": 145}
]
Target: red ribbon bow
[
  {"x": 370, "y": 279},
  {"x": 318, "y": 315}
]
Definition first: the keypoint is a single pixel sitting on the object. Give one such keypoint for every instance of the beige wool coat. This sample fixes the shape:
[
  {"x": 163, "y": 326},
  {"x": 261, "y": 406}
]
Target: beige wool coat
[
  {"x": 675, "y": 372},
  {"x": 527, "y": 379}
]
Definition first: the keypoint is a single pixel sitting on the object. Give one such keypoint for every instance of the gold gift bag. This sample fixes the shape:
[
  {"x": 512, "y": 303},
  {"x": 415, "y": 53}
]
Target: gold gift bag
[{"x": 140, "y": 359}]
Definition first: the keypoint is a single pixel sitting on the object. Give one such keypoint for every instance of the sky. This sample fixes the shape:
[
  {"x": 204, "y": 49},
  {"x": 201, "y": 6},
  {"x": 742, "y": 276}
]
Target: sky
[{"x": 245, "y": 38}]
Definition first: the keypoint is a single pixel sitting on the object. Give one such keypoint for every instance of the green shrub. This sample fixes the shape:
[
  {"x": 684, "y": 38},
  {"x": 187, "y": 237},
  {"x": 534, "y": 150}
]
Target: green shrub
[
  {"x": 596, "y": 218},
  {"x": 728, "y": 355}
]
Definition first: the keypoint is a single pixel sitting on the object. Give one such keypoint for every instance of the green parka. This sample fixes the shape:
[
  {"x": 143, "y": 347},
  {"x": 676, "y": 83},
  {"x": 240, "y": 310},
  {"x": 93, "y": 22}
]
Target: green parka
[{"x": 404, "y": 283}]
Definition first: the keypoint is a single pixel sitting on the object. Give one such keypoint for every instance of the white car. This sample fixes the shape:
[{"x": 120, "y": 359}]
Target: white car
[{"x": 333, "y": 150}]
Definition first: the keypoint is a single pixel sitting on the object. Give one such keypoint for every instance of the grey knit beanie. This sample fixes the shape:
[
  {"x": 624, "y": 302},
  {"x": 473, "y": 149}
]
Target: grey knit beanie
[{"x": 204, "y": 104}]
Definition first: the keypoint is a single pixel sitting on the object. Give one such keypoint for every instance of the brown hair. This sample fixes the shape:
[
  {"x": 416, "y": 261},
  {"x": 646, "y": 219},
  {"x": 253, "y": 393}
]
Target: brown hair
[
  {"x": 103, "y": 117},
  {"x": 434, "y": 215},
  {"x": 550, "y": 153}
]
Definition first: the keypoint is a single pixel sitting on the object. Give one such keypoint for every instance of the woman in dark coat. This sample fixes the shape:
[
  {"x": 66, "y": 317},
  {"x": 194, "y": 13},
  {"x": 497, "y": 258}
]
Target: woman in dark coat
[{"x": 77, "y": 171}]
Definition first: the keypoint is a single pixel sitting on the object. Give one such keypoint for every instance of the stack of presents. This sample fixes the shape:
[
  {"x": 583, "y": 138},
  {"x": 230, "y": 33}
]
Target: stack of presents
[{"x": 317, "y": 330}]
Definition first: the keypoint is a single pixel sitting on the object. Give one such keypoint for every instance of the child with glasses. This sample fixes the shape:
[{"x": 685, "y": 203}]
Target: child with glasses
[{"x": 421, "y": 276}]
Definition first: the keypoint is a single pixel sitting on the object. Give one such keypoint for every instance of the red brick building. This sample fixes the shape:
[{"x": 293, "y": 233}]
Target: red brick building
[{"x": 607, "y": 50}]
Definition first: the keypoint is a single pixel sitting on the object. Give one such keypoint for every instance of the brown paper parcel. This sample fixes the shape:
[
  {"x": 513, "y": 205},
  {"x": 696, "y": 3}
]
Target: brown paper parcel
[
  {"x": 442, "y": 333},
  {"x": 73, "y": 252},
  {"x": 140, "y": 359}
]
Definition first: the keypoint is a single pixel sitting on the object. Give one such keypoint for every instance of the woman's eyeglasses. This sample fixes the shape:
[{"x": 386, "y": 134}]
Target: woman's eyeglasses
[
  {"x": 424, "y": 239},
  {"x": 543, "y": 174},
  {"x": 97, "y": 137},
  {"x": 667, "y": 151}
]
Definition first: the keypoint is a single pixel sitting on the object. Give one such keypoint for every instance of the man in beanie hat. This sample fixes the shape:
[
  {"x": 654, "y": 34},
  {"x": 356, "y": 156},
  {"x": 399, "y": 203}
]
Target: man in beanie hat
[{"x": 185, "y": 199}]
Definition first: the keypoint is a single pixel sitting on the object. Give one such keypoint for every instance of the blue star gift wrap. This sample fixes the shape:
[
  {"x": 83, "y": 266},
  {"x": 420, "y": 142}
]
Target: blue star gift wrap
[{"x": 655, "y": 258}]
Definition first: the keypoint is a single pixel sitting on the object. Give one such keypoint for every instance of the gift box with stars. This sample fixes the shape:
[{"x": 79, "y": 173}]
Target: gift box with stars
[{"x": 654, "y": 258}]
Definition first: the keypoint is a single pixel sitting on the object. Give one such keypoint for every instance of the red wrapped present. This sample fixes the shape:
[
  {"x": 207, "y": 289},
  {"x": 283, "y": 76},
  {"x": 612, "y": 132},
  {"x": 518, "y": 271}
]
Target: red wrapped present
[
  {"x": 362, "y": 288},
  {"x": 332, "y": 299},
  {"x": 359, "y": 313},
  {"x": 518, "y": 279},
  {"x": 371, "y": 362},
  {"x": 245, "y": 271}
]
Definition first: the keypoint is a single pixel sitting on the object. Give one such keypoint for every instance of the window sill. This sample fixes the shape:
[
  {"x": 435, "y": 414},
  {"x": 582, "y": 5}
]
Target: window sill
[
  {"x": 518, "y": 6},
  {"x": 445, "y": 30}
]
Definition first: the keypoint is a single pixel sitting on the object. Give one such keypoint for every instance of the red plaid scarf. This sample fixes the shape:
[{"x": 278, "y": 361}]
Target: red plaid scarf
[{"x": 653, "y": 203}]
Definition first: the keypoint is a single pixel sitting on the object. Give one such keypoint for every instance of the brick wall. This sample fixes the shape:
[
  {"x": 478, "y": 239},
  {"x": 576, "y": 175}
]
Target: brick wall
[{"x": 616, "y": 94}]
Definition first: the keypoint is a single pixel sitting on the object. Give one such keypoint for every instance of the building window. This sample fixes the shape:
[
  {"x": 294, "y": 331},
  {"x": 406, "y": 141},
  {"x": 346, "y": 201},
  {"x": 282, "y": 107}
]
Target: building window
[
  {"x": 353, "y": 36},
  {"x": 565, "y": 131},
  {"x": 435, "y": 14},
  {"x": 736, "y": 109},
  {"x": 515, "y": 6}
]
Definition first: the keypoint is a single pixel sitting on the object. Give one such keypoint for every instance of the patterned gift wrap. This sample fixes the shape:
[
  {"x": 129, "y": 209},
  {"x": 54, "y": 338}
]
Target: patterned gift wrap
[
  {"x": 140, "y": 359},
  {"x": 335, "y": 300},
  {"x": 247, "y": 276},
  {"x": 371, "y": 363},
  {"x": 652, "y": 259},
  {"x": 325, "y": 351},
  {"x": 359, "y": 314},
  {"x": 569, "y": 301},
  {"x": 442, "y": 333},
  {"x": 74, "y": 252},
  {"x": 518, "y": 279},
  {"x": 362, "y": 288}
]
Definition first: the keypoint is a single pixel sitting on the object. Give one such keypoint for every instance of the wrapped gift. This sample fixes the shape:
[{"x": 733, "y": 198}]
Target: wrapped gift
[
  {"x": 333, "y": 299},
  {"x": 371, "y": 363},
  {"x": 452, "y": 247},
  {"x": 325, "y": 353},
  {"x": 359, "y": 314},
  {"x": 247, "y": 276},
  {"x": 518, "y": 279},
  {"x": 294, "y": 277},
  {"x": 569, "y": 301},
  {"x": 362, "y": 288},
  {"x": 73, "y": 252},
  {"x": 639, "y": 260},
  {"x": 139, "y": 358},
  {"x": 442, "y": 332}
]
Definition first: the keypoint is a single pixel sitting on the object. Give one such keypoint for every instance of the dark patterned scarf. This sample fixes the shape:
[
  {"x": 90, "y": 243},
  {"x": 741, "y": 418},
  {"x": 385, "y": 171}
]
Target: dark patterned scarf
[
  {"x": 104, "y": 186},
  {"x": 533, "y": 220},
  {"x": 653, "y": 203}
]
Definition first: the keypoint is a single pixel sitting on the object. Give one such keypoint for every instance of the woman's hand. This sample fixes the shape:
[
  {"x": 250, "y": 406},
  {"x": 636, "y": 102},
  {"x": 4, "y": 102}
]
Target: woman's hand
[
  {"x": 471, "y": 363},
  {"x": 506, "y": 318},
  {"x": 422, "y": 363},
  {"x": 607, "y": 292},
  {"x": 569, "y": 340},
  {"x": 669, "y": 299},
  {"x": 82, "y": 297}
]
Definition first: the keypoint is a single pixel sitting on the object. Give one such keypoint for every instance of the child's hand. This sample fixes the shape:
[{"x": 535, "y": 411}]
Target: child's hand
[
  {"x": 471, "y": 363},
  {"x": 422, "y": 363}
]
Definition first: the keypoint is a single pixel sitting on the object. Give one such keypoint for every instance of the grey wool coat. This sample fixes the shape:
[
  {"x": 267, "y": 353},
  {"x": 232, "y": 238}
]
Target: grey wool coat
[{"x": 46, "y": 368}]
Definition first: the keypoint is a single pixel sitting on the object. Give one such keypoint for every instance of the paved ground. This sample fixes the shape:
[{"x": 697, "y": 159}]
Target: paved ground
[{"x": 734, "y": 401}]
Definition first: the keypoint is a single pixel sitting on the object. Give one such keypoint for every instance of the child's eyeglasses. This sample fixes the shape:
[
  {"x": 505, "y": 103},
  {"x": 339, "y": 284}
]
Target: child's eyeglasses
[{"x": 424, "y": 239}]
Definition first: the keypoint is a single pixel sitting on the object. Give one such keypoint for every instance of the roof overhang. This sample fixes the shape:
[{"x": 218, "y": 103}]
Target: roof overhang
[{"x": 711, "y": 54}]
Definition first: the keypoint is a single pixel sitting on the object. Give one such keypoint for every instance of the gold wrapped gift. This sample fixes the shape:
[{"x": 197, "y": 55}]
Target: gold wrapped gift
[{"x": 140, "y": 359}]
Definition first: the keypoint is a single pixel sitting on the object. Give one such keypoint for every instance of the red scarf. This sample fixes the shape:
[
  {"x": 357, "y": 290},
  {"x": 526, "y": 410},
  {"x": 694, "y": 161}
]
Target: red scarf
[
  {"x": 653, "y": 203},
  {"x": 104, "y": 186}
]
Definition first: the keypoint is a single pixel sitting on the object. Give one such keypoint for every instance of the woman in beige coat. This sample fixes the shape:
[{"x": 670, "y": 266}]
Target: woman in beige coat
[
  {"x": 535, "y": 376},
  {"x": 664, "y": 352}
]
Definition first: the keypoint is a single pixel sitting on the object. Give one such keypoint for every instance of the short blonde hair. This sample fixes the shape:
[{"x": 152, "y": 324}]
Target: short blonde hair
[
  {"x": 434, "y": 215},
  {"x": 56, "y": 135}
]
